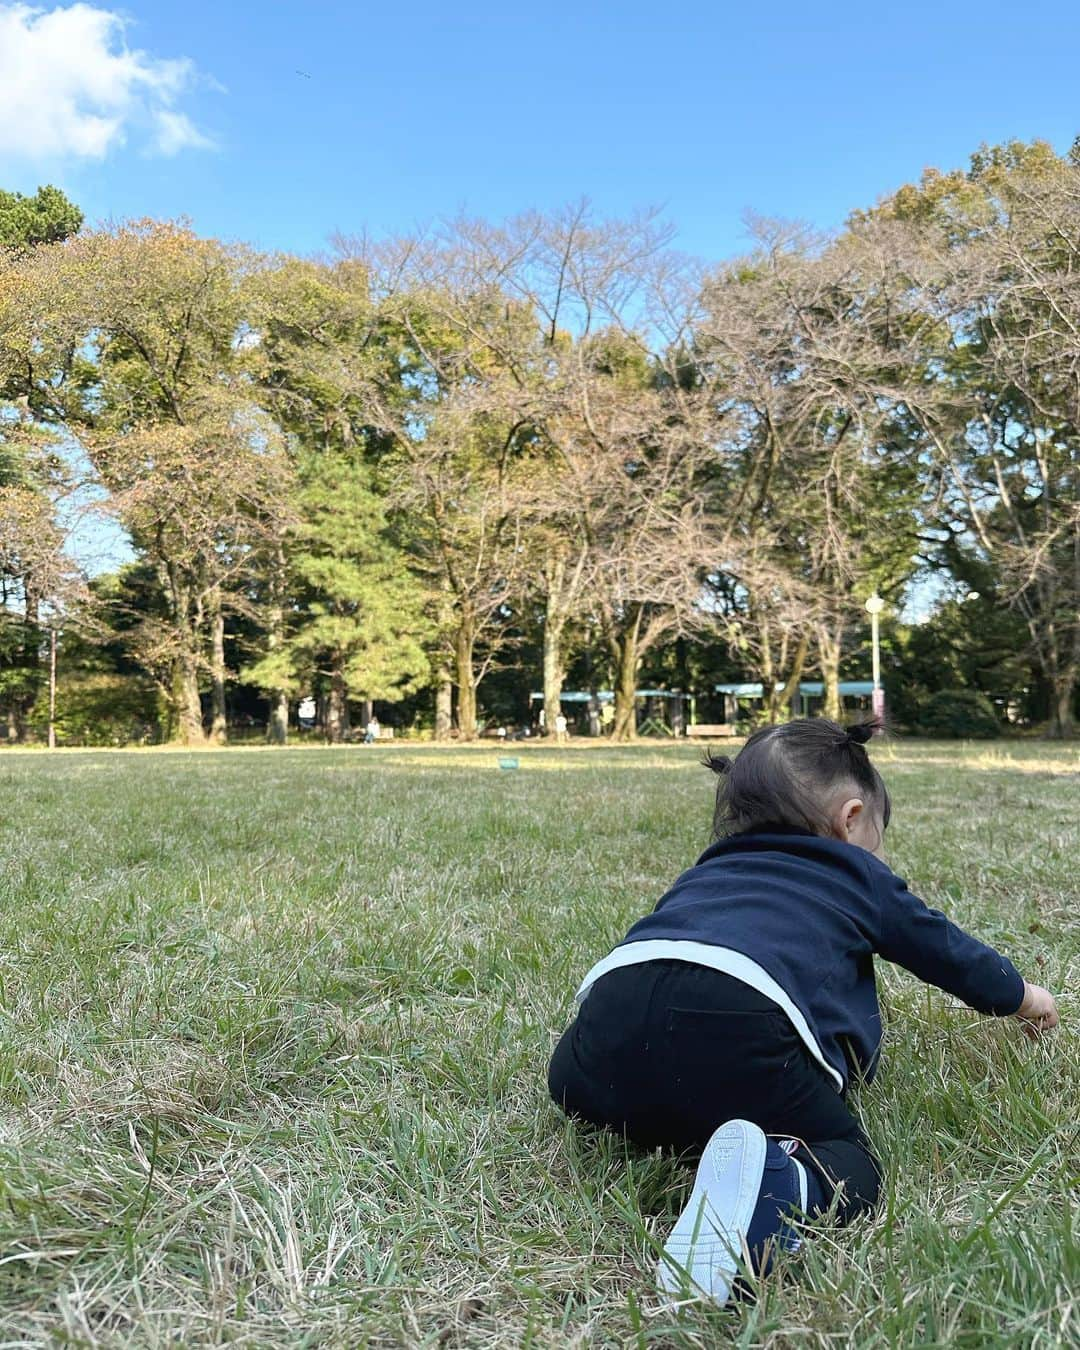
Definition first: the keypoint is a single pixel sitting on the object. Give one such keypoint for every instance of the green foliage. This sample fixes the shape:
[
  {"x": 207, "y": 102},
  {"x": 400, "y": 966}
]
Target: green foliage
[
  {"x": 161, "y": 391},
  {"x": 996, "y": 407},
  {"x": 45, "y": 218},
  {"x": 20, "y": 671},
  {"x": 978, "y": 644},
  {"x": 104, "y": 708},
  {"x": 959, "y": 714},
  {"x": 359, "y": 611},
  {"x": 480, "y": 429}
]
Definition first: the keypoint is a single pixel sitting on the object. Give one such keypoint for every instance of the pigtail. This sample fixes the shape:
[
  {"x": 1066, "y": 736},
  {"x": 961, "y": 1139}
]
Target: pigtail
[
  {"x": 861, "y": 732},
  {"x": 857, "y": 738},
  {"x": 722, "y": 766}
]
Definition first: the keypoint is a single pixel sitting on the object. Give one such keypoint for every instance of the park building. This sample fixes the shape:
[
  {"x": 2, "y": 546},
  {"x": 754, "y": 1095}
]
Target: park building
[{"x": 673, "y": 712}]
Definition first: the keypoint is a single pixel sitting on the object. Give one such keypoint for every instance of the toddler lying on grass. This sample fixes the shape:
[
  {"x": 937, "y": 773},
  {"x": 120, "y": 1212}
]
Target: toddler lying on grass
[{"x": 742, "y": 1006}]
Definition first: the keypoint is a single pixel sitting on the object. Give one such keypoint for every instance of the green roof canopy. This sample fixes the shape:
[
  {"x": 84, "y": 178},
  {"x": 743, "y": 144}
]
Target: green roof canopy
[
  {"x": 810, "y": 688},
  {"x": 606, "y": 696}
]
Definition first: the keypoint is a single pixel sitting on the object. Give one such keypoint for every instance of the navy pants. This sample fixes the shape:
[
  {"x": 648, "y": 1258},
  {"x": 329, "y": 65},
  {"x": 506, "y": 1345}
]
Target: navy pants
[{"x": 664, "y": 1052}]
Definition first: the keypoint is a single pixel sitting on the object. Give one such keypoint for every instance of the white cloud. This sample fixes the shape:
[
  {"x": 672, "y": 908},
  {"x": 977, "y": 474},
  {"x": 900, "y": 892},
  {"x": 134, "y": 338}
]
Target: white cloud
[
  {"x": 175, "y": 131},
  {"x": 70, "y": 87}
]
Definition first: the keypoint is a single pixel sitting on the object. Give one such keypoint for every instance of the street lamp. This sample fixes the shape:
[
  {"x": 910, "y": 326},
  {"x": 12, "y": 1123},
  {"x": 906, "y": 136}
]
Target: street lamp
[{"x": 874, "y": 606}]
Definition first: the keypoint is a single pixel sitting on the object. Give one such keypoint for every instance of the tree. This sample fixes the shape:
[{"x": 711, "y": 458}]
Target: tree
[
  {"x": 976, "y": 643},
  {"x": 41, "y": 589},
  {"x": 799, "y": 336},
  {"x": 36, "y": 579},
  {"x": 357, "y": 619},
  {"x": 586, "y": 330},
  {"x": 995, "y": 392},
  {"x": 45, "y": 218},
  {"x": 635, "y": 482},
  {"x": 30, "y": 548},
  {"x": 325, "y": 360},
  {"x": 459, "y": 439},
  {"x": 157, "y": 390}
]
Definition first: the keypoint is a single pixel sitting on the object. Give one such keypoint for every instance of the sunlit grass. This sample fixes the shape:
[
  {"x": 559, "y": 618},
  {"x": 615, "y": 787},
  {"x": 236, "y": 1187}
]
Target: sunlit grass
[{"x": 275, "y": 1027}]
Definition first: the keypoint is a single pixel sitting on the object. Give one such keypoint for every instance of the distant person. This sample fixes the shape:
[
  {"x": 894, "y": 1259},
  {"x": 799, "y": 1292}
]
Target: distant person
[
  {"x": 743, "y": 1006},
  {"x": 371, "y": 731},
  {"x": 560, "y": 729}
]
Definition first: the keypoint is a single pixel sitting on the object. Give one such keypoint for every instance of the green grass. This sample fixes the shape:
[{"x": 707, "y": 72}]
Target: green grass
[{"x": 275, "y": 1028}]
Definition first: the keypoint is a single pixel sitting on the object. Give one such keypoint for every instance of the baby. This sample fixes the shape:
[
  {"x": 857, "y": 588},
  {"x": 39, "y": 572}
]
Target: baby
[{"x": 742, "y": 1006}]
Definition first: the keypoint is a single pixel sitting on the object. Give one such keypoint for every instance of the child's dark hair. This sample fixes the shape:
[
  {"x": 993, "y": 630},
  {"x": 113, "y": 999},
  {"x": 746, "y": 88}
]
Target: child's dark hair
[{"x": 785, "y": 775}]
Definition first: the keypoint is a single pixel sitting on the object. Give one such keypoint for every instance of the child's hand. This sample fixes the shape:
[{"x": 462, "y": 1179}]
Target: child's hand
[{"x": 1038, "y": 1012}]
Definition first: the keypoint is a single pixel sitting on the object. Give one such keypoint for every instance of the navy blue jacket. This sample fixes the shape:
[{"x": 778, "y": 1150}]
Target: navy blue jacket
[{"x": 813, "y": 912}]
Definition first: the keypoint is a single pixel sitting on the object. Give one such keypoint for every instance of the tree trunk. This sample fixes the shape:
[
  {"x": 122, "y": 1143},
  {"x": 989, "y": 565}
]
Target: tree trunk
[
  {"x": 219, "y": 726},
  {"x": 31, "y": 662},
  {"x": 444, "y": 702},
  {"x": 624, "y": 649},
  {"x": 189, "y": 724},
  {"x": 554, "y": 672},
  {"x": 187, "y": 616},
  {"x": 444, "y": 684},
  {"x": 24, "y": 713},
  {"x": 554, "y": 628},
  {"x": 770, "y": 706},
  {"x": 829, "y": 660},
  {"x": 52, "y": 688},
  {"x": 464, "y": 642},
  {"x": 790, "y": 691},
  {"x": 277, "y": 728},
  {"x": 1059, "y": 669},
  {"x": 625, "y": 728},
  {"x": 1062, "y": 701},
  {"x": 337, "y": 711}
]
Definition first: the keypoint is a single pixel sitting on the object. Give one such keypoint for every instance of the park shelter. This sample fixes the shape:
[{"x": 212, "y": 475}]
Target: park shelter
[
  {"x": 655, "y": 699},
  {"x": 808, "y": 700}
]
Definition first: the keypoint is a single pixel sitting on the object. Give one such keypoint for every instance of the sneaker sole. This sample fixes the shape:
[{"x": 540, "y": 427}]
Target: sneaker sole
[{"x": 705, "y": 1248}]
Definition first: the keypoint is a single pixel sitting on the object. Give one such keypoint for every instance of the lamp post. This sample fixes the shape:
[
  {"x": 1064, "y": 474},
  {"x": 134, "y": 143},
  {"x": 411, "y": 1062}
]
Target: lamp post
[
  {"x": 874, "y": 606},
  {"x": 52, "y": 686}
]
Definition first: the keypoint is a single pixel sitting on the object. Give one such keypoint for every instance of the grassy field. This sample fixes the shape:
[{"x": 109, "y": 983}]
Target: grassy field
[{"x": 275, "y": 1028}]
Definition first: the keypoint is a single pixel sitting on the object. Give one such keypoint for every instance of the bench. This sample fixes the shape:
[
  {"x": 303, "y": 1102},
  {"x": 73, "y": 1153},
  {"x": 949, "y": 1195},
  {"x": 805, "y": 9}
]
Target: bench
[{"x": 711, "y": 730}]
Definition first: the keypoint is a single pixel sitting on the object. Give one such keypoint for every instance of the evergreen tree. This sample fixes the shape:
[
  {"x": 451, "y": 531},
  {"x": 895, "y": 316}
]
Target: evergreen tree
[
  {"x": 357, "y": 625},
  {"x": 45, "y": 218}
]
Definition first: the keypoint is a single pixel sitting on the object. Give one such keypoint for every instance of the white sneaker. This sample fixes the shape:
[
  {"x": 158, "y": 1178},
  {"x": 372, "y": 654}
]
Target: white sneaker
[{"x": 705, "y": 1249}]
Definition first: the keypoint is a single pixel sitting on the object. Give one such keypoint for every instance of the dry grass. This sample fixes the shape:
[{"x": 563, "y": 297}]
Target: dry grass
[{"x": 275, "y": 1028}]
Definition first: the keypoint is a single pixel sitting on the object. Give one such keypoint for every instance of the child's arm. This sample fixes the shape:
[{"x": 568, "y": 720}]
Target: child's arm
[{"x": 935, "y": 949}]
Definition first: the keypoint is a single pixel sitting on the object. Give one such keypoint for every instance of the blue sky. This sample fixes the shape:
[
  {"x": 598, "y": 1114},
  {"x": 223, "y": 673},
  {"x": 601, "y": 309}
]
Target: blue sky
[
  {"x": 281, "y": 123},
  {"x": 403, "y": 114}
]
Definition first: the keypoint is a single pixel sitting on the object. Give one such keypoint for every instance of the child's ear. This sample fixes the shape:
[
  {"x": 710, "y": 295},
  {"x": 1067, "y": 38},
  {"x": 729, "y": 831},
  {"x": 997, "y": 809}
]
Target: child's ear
[{"x": 847, "y": 817}]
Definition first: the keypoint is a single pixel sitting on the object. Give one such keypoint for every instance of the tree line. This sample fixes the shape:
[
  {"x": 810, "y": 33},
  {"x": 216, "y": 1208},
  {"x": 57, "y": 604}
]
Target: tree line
[{"x": 419, "y": 468}]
